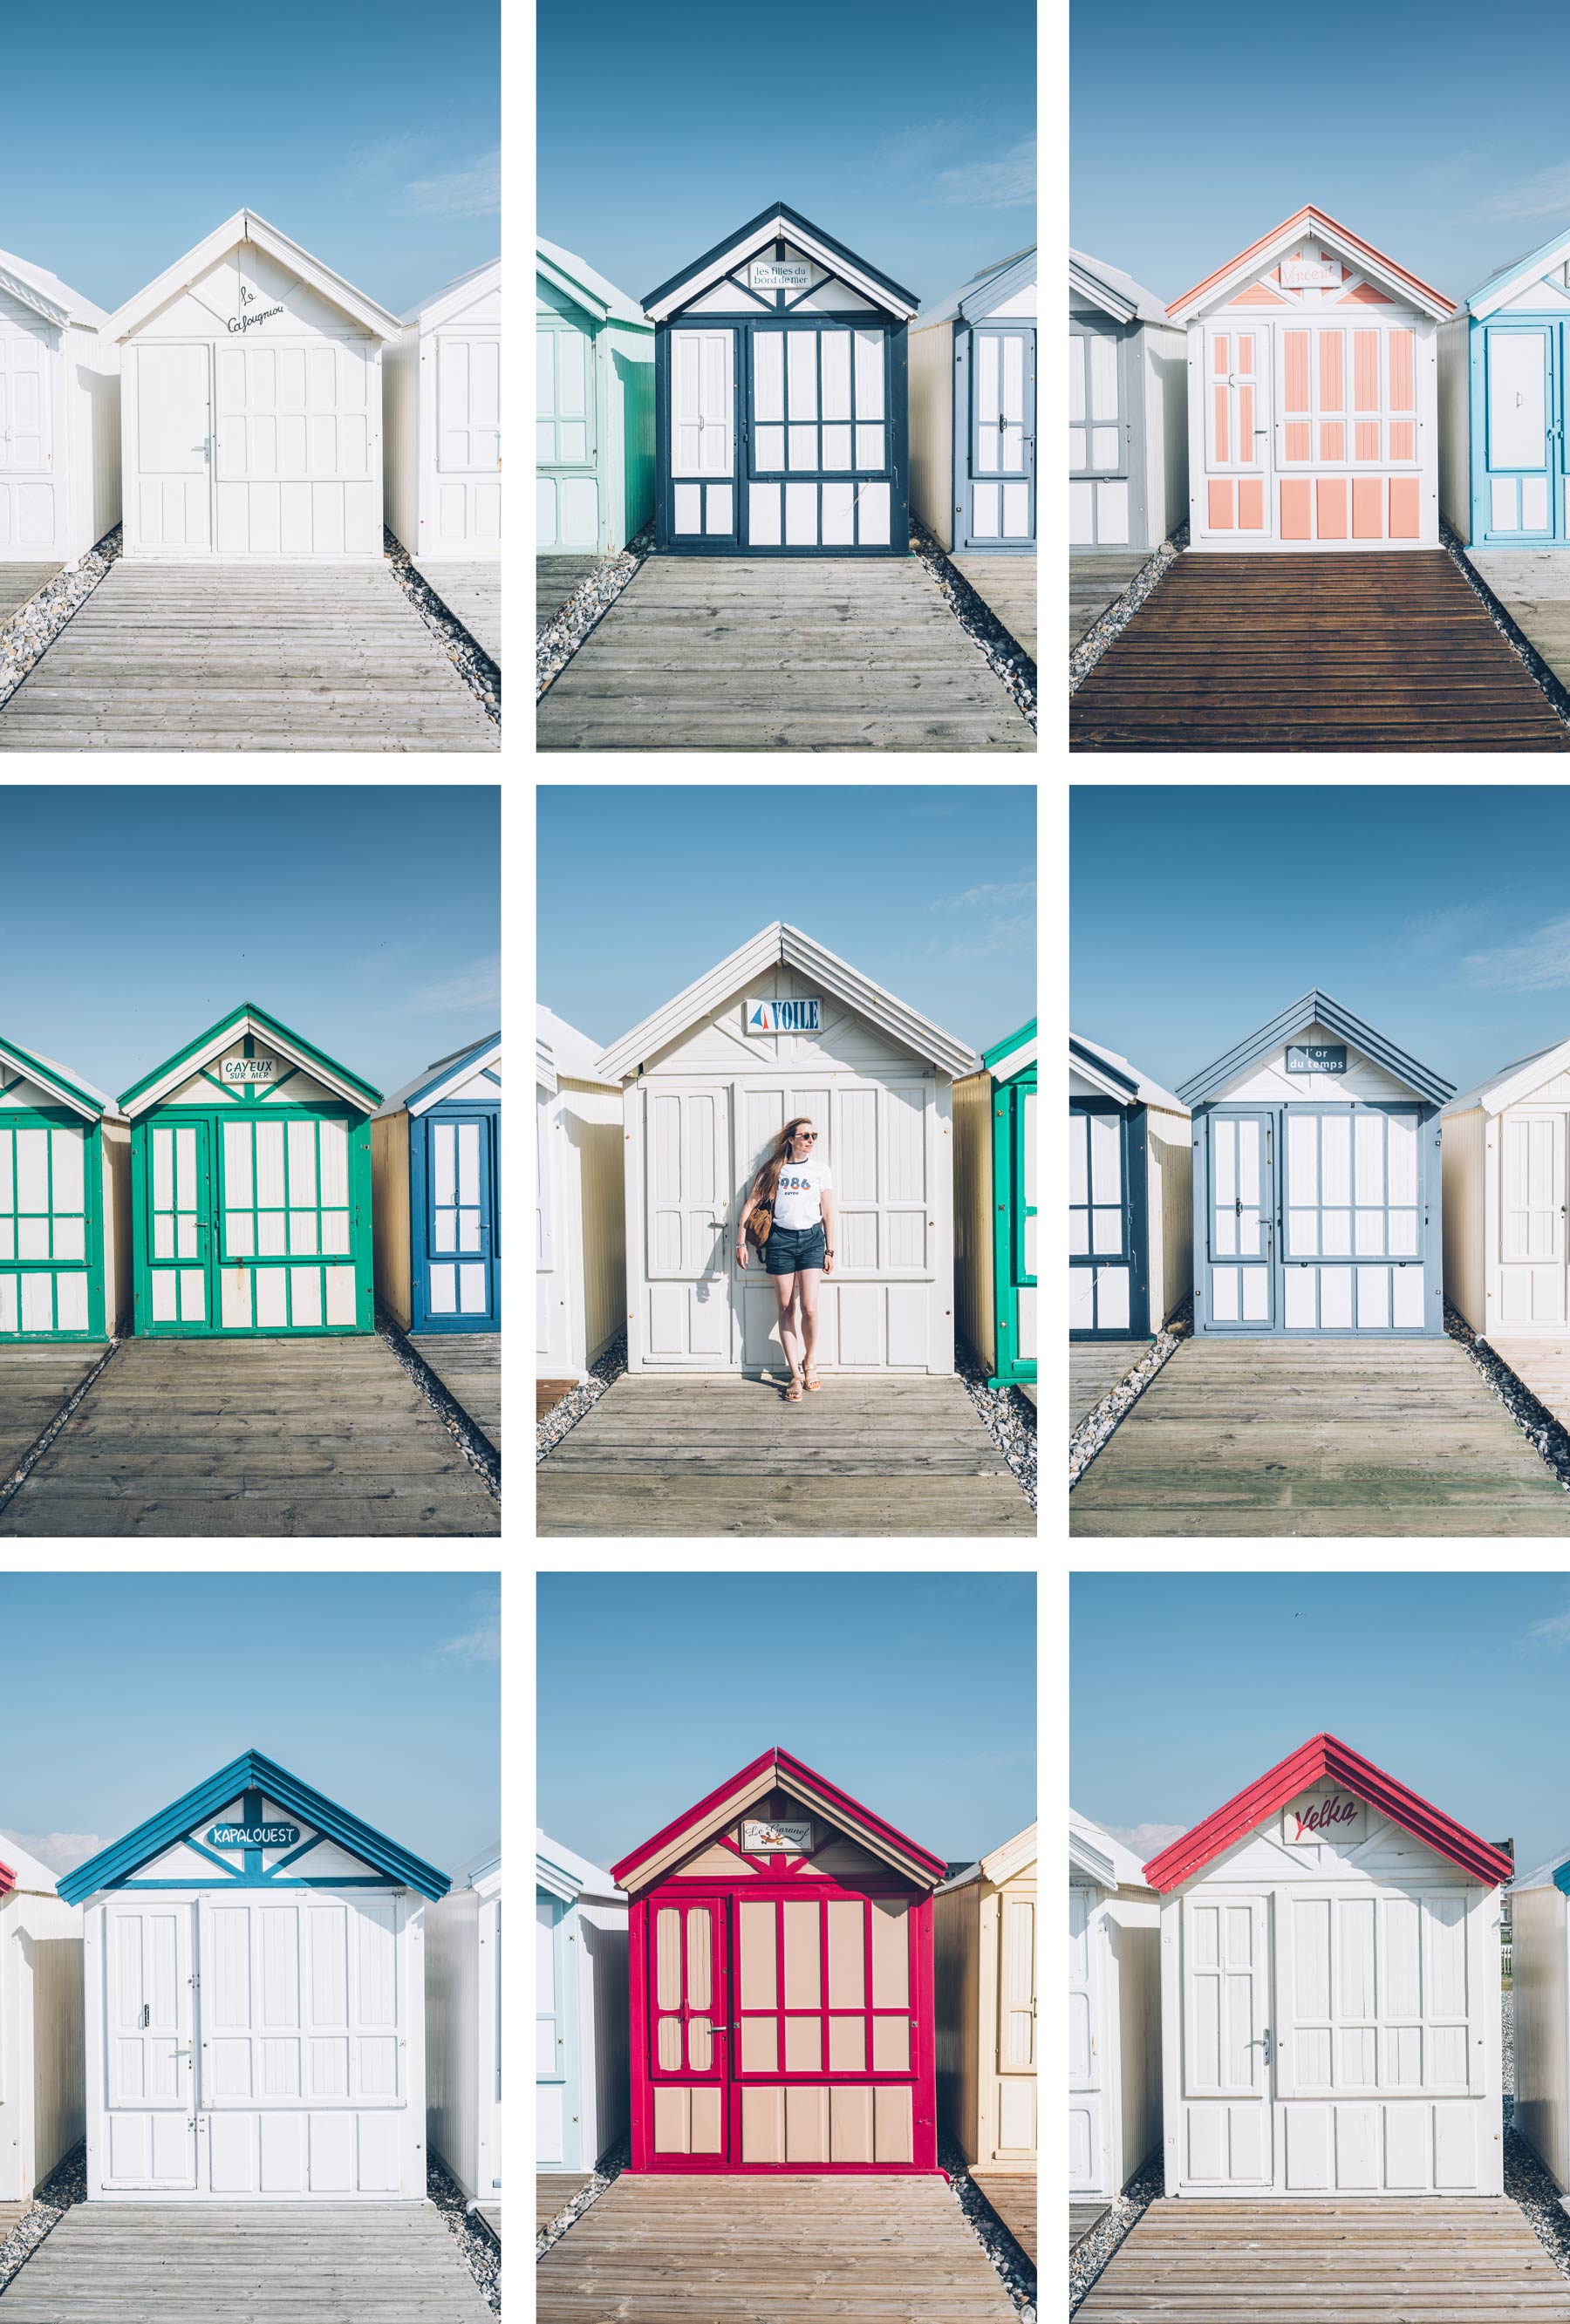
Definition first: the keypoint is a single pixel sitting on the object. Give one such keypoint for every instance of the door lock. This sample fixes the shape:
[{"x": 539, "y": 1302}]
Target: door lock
[
  {"x": 146, "y": 2014},
  {"x": 1270, "y": 2047}
]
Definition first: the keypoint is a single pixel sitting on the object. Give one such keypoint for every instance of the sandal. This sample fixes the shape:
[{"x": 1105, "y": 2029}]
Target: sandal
[
  {"x": 811, "y": 1382},
  {"x": 793, "y": 1392}
]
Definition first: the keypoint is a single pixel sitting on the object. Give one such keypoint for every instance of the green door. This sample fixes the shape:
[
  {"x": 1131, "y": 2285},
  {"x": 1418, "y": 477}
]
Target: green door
[
  {"x": 1015, "y": 1220},
  {"x": 51, "y": 1249},
  {"x": 178, "y": 1193},
  {"x": 289, "y": 1223}
]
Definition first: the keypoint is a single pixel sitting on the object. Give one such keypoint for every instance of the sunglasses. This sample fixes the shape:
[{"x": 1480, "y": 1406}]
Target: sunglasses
[{"x": 806, "y": 1138}]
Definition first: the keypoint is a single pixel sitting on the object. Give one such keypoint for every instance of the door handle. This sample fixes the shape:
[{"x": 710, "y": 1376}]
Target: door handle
[
  {"x": 1269, "y": 2048},
  {"x": 146, "y": 2014}
]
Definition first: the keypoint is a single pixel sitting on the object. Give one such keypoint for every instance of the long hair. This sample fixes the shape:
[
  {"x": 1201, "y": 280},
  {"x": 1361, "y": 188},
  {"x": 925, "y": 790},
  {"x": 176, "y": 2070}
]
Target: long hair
[{"x": 768, "y": 1176}]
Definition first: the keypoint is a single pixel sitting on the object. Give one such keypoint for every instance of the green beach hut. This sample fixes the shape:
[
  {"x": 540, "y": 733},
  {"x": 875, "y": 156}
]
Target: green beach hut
[
  {"x": 64, "y": 1152},
  {"x": 994, "y": 1208},
  {"x": 593, "y": 409}
]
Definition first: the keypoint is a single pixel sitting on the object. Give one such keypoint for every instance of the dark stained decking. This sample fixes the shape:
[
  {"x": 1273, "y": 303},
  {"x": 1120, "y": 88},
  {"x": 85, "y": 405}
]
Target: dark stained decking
[
  {"x": 1334, "y": 1439},
  {"x": 553, "y": 2191},
  {"x": 1013, "y": 2196},
  {"x": 1094, "y": 1369},
  {"x": 1097, "y": 579},
  {"x": 1387, "y": 651},
  {"x": 468, "y": 1364},
  {"x": 295, "y": 1438},
  {"x": 867, "y": 1454},
  {"x": 555, "y": 579},
  {"x": 1007, "y": 584},
  {"x": 18, "y": 583},
  {"x": 832, "y": 653},
  {"x": 36, "y": 1378}
]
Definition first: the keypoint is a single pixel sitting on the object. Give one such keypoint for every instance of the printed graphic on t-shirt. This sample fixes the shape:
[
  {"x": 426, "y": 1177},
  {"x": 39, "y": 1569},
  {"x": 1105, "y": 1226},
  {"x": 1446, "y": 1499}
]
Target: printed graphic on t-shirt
[{"x": 796, "y": 1198}]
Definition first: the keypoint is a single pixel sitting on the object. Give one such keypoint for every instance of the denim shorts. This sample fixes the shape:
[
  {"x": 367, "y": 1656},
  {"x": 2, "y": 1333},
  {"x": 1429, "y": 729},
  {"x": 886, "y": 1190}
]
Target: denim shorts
[{"x": 789, "y": 1247}]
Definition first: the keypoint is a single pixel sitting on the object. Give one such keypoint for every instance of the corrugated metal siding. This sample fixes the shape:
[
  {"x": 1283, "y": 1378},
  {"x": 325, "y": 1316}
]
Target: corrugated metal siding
[
  {"x": 931, "y": 372},
  {"x": 956, "y": 2006},
  {"x": 452, "y": 2034},
  {"x": 597, "y": 1136},
  {"x": 973, "y": 1212},
  {"x": 1465, "y": 1214},
  {"x": 1170, "y": 1162},
  {"x": 1542, "y": 2006}
]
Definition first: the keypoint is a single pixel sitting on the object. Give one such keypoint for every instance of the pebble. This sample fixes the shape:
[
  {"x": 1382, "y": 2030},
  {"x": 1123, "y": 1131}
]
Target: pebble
[
  {"x": 1001, "y": 648},
  {"x": 1546, "y": 1435},
  {"x": 568, "y": 1410},
  {"x": 1093, "y": 1429},
  {"x": 1013, "y": 2265},
  {"x": 33, "y": 627},
  {"x": 472, "y": 663},
  {"x": 481, "y": 2254},
  {"x": 1517, "y": 643},
  {"x": 610, "y": 2167},
  {"x": 562, "y": 635},
  {"x": 476, "y": 1448},
  {"x": 1088, "y": 2257},
  {"x": 1085, "y": 656},
  {"x": 67, "y": 2185},
  {"x": 1008, "y": 1416}
]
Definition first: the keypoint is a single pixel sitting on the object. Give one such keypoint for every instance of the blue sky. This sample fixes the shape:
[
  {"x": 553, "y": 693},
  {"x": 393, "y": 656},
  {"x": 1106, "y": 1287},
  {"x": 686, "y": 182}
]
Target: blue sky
[
  {"x": 930, "y": 890},
  {"x": 1439, "y": 915},
  {"x": 366, "y": 918},
  {"x": 842, "y": 1670},
  {"x": 864, "y": 119},
  {"x": 1193, "y": 133},
  {"x": 1186, "y": 1686},
  {"x": 124, "y": 1691},
  {"x": 370, "y": 135}
]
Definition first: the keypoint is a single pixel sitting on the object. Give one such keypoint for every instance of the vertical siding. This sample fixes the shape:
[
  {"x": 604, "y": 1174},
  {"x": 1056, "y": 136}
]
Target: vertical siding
[
  {"x": 1455, "y": 344},
  {"x": 390, "y": 1221},
  {"x": 1134, "y": 1926},
  {"x": 592, "y": 1121},
  {"x": 628, "y": 355},
  {"x": 401, "y": 436},
  {"x": 1465, "y": 1212},
  {"x": 115, "y": 1140},
  {"x": 603, "y": 2024},
  {"x": 1164, "y": 355},
  {"x": 956, "y": 2004},
  {"x": 53, "y": 1932},
  {"x": 1542, "y": 2027},
  {"x": 1171, "y": 1164},
  {"x": 973, "y": 1212},
  {"x": 931, "y": 376},
  {"x": 452, "y": 2096}
]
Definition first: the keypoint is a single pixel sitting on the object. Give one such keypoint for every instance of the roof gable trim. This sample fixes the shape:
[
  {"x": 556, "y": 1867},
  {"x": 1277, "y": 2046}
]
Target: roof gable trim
[
  {"x": 29, "y": 295},
  {"x": 704, "y": 272},
  {"x": 246, "y": 227},
  {"x": 1316, "y": 1008},
  {"x": 1409, "y": 288},
  {"x": 80, "y": 1100},
  {"x": 775, "y": 1770},
  {"x": 247, "y": 1019}
]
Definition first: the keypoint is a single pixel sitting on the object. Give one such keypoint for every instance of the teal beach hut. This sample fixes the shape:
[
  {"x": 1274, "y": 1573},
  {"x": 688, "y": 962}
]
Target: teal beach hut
[{"x": 593, "y": 409}]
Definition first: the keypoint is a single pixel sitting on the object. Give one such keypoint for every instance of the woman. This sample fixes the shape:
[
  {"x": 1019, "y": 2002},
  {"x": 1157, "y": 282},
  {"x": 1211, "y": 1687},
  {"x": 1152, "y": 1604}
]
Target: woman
[{"x": 796, "y": 1184}]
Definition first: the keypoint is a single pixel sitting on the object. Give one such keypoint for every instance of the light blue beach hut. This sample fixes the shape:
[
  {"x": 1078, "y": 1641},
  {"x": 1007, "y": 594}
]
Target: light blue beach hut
[
  {"x": 581, "y": 2083},
  {"x": 593, "y": 409},
  {"x": 973, "y": 411},
  {"x": 1504, "y": 476}
]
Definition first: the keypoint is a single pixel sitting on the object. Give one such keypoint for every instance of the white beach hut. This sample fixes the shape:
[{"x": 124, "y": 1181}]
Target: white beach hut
[
  {"x": 581, "y": 2074},
  {"x": 1115, "y": 2014},
  {"x": 984, "y": 1930},
  {"x": 60, "y": 419},
  {"x": 40, "y": 2024},
  {"x": 1127, "y": 412},
  {"x": 442, "y": 396},
  {"x": 251, "y": 420},
  {"x": 1540, "y": 1978},
  {"x": 1506, "y": 1190},
  {"x": 973, "y": 411},
  {"x": 579, "y": 1235},
  {"x": 463, "y": 2031}
]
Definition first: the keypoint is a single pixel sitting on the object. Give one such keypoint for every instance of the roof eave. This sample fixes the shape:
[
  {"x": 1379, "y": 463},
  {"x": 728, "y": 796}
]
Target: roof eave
[
  {"x": 446, "y": 303},
  {"x": 1409, "y": 288},
  {"x": 271, "y": 1027},
  {"x": 80, "y": 1100},
  {"x": 1499, "y": 290},
  {"x": 886, "y": 291},
  {"x": 30, "y": 295},
  {"x": 592, "y": 301},
  {"x": 245, "y": 225},
  {"x": 1316, "y": 1008},
  {"x": 976, "y": 304},
  {"x": 1101, "y": 294}
]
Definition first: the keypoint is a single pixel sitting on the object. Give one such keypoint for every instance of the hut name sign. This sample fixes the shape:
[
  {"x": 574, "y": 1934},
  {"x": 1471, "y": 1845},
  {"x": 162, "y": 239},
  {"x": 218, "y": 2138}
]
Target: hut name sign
[
  {"x": 784, "y": 1016},
  {"x": 779, "y": 274},
  {"x": 776, "y": 1838},
  {"x": 1317, "y": 1057},
  {"x": 1310, "y": 274},
  {"x": 1319, "y": 1816},
  {"x": 237, "y": 1070},
  {"x": 250, "y": 313},
  {"x": 253, "y": 1835}
]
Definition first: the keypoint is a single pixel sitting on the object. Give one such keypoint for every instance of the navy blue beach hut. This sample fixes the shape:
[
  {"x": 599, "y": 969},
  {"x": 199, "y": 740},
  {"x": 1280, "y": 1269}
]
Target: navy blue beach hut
[
  {"x": 1316, "y": 1182},
  {"x": 1504, "y": 359},
  {"x": 973, "y": 411},
  {"x": 436, "y": 1167},
  {"x": 781, "y": 398}
]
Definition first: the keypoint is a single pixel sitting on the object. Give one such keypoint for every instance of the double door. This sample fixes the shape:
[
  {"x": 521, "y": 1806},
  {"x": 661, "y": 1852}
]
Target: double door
[
  {"x": 459, "y": 1286},
  {"x": 1521, "y": 486}
]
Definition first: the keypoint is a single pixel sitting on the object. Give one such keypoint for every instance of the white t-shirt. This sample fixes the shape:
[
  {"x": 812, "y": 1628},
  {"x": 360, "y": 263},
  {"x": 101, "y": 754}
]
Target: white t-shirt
[{"x": 795, "y": 1200}]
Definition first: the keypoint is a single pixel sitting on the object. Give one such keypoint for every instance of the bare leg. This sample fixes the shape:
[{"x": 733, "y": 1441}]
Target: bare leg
[
  {"x": 806, "y": 1282},
  {"x": 785, "y": 1292}
]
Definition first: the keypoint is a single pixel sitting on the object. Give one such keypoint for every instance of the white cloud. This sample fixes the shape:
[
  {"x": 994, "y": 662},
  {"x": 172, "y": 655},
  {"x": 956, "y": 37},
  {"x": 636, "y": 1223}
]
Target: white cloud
[
  {"x": 483, "y": 1644},
  {"x": 1004, "y": 183},
  {"x": 383, "y": 158},
  {"x": 472, "y": 192},
  {"x": 61, "y": 1851},
  {"x": 1146, "y": 1840},
  {"x": 1556, "y": 1631},
  {"x": 1540, "y": 963},
  {"x": 1545, "y": 194},
  {"x": 477, "y": 986},
  {"x": 989, "y": 895}
]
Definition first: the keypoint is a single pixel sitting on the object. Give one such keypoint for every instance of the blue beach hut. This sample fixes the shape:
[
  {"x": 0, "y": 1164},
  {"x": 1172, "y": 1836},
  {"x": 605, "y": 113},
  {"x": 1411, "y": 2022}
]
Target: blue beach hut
[
  {"x": 1503, "y": 361},
  {"x": 973, "y": 411}
]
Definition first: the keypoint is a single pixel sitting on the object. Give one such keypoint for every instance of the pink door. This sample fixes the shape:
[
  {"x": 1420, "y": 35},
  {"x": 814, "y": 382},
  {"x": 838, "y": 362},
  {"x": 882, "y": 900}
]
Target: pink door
[
  {"x": 688, "y": 2033},
  {"x": 1348, "y": 432},
  {"x": 1237, "y": 502}
]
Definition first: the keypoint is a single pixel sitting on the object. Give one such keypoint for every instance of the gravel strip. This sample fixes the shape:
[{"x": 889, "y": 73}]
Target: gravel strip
[
  {"x": 999, "y": 647},
  {"x": 1087, "y": 2259},
  {"x": 561, "y": 636},
  {"x": 67, "y": 2185},
  {"x": 1546, "y": 1435},
  {"x": 1098, "y": 1424},
  {"x": 1011, "y": 2261},
  {"x": 1526, "y": 2179},
  {"x": 568, "y": 1410},
  {"x": 33, "y": 627},
  {"x": 611, "y": 2166},
  {"x": 11, "y": 1485},
  {"x": 481, "y": 2254},
  {"x": 1085, "y": 656},
  {"x": 1517, "y": 640},
  {"x": 477, "y": 1448},
  {"x": 1007, "y": 1417},
  {"x": 472, "y": 662}
]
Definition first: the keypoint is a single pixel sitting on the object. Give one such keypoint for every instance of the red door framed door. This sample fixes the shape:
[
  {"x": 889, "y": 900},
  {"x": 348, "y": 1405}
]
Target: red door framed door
[{"x": 689, "y": 2021}]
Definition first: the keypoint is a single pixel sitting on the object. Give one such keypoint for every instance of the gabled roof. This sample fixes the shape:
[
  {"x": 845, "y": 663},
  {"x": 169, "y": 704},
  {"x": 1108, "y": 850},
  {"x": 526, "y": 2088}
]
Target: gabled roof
[
  {"x": 776, "y": 1770},
  {"x": 427, "y": 1088},
  {"x": 45, "y": 293},
  {"x": 564, "y": 1873},
  {"x": 246, "y": 227},
  {"x": 1406, "y": 287},
  {"x": 250, "y": 1771},
  {"x": 987, "y": 289},
  {"x": 1515, "y": 1081},
  {"x": 8, "y": 1878},
  {"x": 1316, "y": 1008},
  {"x": 1117, "y": 1078},
  {"x": 24, "y": 1871},
  {"x": 247, "y": 1019},
  {"x": 567, "y": 1051},
  {"x": 1097, "y": 1854},
  {"x": 1014, "y": 1053},
  {"x": 71, "y": 1090},
  {"x": 749, "y": 239},
  {"x": 455, "y": 296},
  {"x": 772, "y": 946},
  {"x": 1010, "y": 1856},
  {"x": 1500, "y": 288},
  {"x": 1117, "y": 294},
  {"x": 591, "y": 291},
  {"x": 1324, "y": 1757},
  {"x": 482, "y": 1873}
]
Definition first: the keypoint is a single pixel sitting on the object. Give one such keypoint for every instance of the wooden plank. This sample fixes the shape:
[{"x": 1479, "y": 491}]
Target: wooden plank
[
  {"x": 1534, "y": 588},
  {"x": 468, "y": 1364},
  {"x": 471, "y": 590},
  {"x": 1096, "y": 580},
  {"x": 36, "y": 1378},
  {"x": 18, "y": 583},
  {"x": 1013, "y": 2196},
  {"x": 555, "y": 579},
  {"x": 1006, "y": 585},
  {"x": 1543, "y": 1366},
  {"x": 1094, "y": 1369},
  {"x": 1081, "y": 2218},
  {"x": 548, "y": 1392},
  {"x": 554, "y": 2190}
]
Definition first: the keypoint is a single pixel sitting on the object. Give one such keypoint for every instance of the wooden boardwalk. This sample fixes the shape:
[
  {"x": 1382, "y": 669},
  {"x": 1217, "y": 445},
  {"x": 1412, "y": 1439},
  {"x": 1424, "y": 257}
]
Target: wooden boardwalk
[
  {"x": 548, "y": 1392},
  {"x": 1094, "y": 1369},
  {"x": 868, "y": 1454},
  {"x": 1432, "y": 2260},
  {"x": 1096, "y": 580},
  {"x": 216, "y": 2263},
  {"x": 555, "y": 579},
  {"x": 1013, "y": 2196},
  {"x": 553, "y": 2191},
  {"x": 264, "y": 1437},
  {"x": 708, "y": 653},
  {"x": 1318, "y": 652},
  {"x": 9, "y": 2215},
  {"x": 1081, "y": 2218},
  {"x": 35, "y": 1379},
  {"x": 468, "y": 1364},
  {"x": 788, "y": 2250},
  {"x": 246, "y": 658},
  {"x": 1533, "y": 587},
  {"x": 1333, "y": 1439},
  {"x": 18, "y": 583},
  {"x": 1008, "y": 585},
  {"x": 472, "y": 593}
]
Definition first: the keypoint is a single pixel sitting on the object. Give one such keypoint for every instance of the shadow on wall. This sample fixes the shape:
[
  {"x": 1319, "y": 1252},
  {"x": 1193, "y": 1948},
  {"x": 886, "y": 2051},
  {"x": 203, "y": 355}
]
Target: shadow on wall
[
  {"x": 1171, "y": 377},
  {"x": 102, "y": 391},
  {"x": 606, "y": 1953},
  {"x": 636, "y": 381}
]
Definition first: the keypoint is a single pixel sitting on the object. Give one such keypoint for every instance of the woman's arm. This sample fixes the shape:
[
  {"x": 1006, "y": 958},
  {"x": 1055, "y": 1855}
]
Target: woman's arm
[
  {"x": 827, "y": 1199},
  {"x": 747, "y": 1201}
]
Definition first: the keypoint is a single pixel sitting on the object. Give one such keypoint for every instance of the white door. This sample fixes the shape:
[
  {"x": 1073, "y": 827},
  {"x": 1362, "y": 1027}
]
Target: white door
[
  {"x": 1531, "y": 1225},
  {"x": 549, "y": 2043},
  {"x": 1016, "y": 2029},
  {"x": 489, "y": 1940},
  {"x": 28, "y": 359},
  {"x": 1224, "y": 2134},
  {"x": 149, "y": 2048},
  {"x": 550, "y": 1337},
  {"x": 1085, "y": 2167},
  {"x": 563, "y": 441},
  {"x": 1234, "y": 501},
  {"x": 468, "y": 444},
  {"x": 172, "y": 507},
  {"x": 703, "y": 434},
  {"x": 298, "y": 450},
  {"x": 688, "y": 1227}
]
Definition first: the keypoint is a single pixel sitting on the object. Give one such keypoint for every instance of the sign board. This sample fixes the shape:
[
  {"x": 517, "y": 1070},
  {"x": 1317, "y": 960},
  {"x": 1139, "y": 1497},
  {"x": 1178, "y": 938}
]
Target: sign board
[
  {"x": 1310, "y": 274},
  {"x": 1315, "y": 1817},
  {"x": 1316, "y": 1057},
  {"x": 784, "y": 1016},
  {"x": 237, "y": 1070},
  {"x": 253, "y": 1835},
  {"x": 779, "y": 274},
  {"x": 776, "y": 1838}
]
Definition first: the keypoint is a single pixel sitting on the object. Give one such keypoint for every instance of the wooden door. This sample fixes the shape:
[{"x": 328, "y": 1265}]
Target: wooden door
[
  {"x": 1353, "y": 1219},
  {"x": 1225, "y": 2136},
  {"x": 1525, "y": 439},
  {"x": 819, "y": 436},
  {"x": 28, "y": 361},
  {"x": 1087, "y": 2170},
  {"x": 1002, "y": 452},
  {"x": 1532, "y": 1196},
  {"x": 555, "y": 2068},
  {"x": 49, "y": 1287},
  {"x": 1240, "y": 1238},
  {"x": 688, "y": 2019},
  {"x": 149, "y": 2063},
  {"x": 1016, "y": 1357},
  {"x": 1100, "y": 438},
  {"x": 168, "y": 498},
  {"x": 1104, "y": 1298},
  {"x": 288, "y": 1223},
  {"x": 1014, "y": 2061},
  {"x": 703, "y": 434},
  {"x": 1235, "y": 421},
  {"x": 688, "y": 1226},
  {"x": 459, "y": 1275},
  {"x": 468, "y": 443},
  {"x": 177, "y": 1232},
  {"x": 569, "y": 491},
  {"x": 297, "y": 450}
]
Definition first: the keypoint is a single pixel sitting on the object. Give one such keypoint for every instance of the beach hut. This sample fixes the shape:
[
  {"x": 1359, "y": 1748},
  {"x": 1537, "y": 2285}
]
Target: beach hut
[
  {"x": 441, "y": 417},
  {"x": 1330, "y": 1991},
  {"x": 65, "y": 1203},
  {"x": 581, "y": 2076},
  {"x": 782, "y": 1027},
  {"x": 255, "y": 2000},
  {"x": 983, "y": 1935},
  {"x": 251, "y": 417},
  {"x": 463, "y": 2032},
  {"x": 250, "y": 1184},
  {"x": 1504, "y": 479},
  {"x": 973, "y": 411},
  {"x": 1313, "y": 418},
  {"x": 781, "y": 407},
  {"x": 41, "y": 2095},
  {"x": 1539, "y": 1936},
  {"x": 1130, "y": 1252},
  {"x": 780, "y": 1983},
  {"x": 1115, "y": 2014},
  {"x": 1317, "y": 1181},
  {"x": 1127, "y": 412},
  {"x": 1506, "y": 1193},
  {"x": 593, "y": 409},
  {"x": 436, "y": 1179},
  {"x": 580, "y": 1235},
  {"x": 994, "y": 1208},
  {"x": 60, "y": 419}
]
